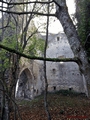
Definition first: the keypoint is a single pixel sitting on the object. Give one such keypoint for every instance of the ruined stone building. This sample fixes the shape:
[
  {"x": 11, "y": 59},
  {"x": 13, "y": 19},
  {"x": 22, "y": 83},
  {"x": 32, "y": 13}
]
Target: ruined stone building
[{"x": 60, "y": 75}]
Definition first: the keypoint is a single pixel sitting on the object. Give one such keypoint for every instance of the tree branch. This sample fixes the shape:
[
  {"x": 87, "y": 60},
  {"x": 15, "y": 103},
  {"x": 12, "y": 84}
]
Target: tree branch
[
  {"x": 21, "y": 13},
  {"x": 39, "y": 58},
  {"x": 22, "y": 3}
]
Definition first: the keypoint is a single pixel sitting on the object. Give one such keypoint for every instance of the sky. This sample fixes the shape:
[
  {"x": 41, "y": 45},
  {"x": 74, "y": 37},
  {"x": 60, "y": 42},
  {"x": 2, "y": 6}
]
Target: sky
[
  {"x": 71, "y": 6},
  {"x": 55, "y": 25}
]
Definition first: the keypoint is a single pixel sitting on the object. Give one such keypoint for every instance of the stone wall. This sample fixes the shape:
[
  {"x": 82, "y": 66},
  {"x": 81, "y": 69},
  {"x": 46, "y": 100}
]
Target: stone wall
[
  {"x": 63, "y": 75},
  {"x": 60, "y": 75},
  {"x": 30, "y": 82}
]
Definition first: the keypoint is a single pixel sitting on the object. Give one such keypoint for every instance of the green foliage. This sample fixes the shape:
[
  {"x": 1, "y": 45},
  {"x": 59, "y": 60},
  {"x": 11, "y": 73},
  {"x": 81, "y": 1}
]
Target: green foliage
[
  {"x": 4, "y": 60},
  {"x": 84, "y": 19},
  {"x": 83, "y": 25},
  {"x": 9, "y": 41},
  {"x": 12, "y": 42},
  {"x": 35, "y": 46}
]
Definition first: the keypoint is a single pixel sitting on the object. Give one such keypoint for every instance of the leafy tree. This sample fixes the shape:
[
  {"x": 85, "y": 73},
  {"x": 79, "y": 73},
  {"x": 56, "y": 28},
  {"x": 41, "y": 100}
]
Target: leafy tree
[{"x": 13, "y": 38}]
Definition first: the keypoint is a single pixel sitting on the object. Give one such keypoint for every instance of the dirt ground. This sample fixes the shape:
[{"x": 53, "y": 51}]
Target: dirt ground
[{"x": 61, "y": 107}]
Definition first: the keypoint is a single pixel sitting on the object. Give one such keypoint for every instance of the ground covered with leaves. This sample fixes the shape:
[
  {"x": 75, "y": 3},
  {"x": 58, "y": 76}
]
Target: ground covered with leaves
[{"x": 62, "y": 105}]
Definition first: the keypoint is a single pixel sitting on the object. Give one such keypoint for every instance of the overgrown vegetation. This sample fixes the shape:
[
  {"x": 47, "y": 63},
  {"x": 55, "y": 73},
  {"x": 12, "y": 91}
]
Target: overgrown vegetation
[
  {"x": 35, "y": 46},
  {"x": 61, "y": 105},
  {"x": 58, "y": 104},
  {"x": 83, "y": 17}
]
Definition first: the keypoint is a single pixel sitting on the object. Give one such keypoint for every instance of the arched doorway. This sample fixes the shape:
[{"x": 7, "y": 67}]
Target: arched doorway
[{"x": 24, "y": 87}]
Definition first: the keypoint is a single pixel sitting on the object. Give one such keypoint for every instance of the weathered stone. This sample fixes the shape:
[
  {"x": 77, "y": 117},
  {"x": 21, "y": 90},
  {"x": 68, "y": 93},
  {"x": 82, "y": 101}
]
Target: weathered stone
[{"x": 60, "y": 75}]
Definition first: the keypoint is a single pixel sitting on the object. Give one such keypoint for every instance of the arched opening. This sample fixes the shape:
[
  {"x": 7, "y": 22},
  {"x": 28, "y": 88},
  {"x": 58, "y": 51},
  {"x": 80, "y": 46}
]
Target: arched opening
[{"x": 24, "y": 87}]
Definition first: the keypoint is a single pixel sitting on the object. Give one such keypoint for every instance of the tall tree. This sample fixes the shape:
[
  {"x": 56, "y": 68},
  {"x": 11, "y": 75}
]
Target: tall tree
[
  {"x": 12, "y": 37},
  {"x": 74, "y": 41}
]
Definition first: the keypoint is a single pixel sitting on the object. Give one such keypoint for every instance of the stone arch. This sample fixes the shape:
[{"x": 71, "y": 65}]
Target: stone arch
[{"x": 24, "y": 87}]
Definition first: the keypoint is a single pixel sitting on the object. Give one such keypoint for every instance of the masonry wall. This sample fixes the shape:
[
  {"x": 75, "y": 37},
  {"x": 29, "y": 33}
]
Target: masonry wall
[{"x": 63, "y": 75}]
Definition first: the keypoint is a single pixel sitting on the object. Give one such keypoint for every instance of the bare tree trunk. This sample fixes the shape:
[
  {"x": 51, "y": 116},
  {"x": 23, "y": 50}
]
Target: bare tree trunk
[
  {"x": 71, "y": 33},
  {"x": 45, "y": 75},
  {"x": 5, "y": 106}
]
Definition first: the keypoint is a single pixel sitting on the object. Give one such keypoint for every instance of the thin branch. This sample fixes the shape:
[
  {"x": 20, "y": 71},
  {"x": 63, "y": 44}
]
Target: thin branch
[
  {"x": 6, "y": 7},
  {"x": 26, "y": 28},
  {"x": 21, "y": 13},
  {"x": 22, "y": 3},
  {"x": 56, "y": 3},
  {"x": 45, "y": 71},
  {"x": 32, "y": 35}
]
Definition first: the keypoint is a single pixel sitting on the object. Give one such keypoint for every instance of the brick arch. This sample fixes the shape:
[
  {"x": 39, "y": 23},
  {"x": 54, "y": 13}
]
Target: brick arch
[{"x": 24, "y": 88}]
